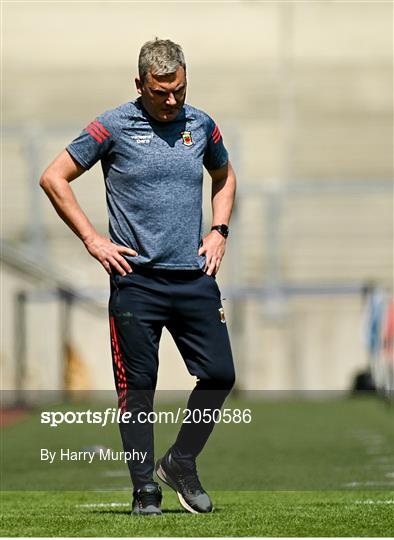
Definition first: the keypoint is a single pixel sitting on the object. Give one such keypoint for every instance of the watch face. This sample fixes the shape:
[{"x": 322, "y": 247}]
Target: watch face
[{"x": 223, "y": 229}]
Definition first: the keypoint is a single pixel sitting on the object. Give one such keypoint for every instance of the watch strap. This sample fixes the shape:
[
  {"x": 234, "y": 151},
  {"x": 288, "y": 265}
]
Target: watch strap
[{"x": 222, "y": 229}]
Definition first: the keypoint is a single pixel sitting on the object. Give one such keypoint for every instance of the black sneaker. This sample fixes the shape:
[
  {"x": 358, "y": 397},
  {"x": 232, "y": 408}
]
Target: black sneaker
[
  {"x": 147, "y": 500},
  {"x": 185, "y": 482}
]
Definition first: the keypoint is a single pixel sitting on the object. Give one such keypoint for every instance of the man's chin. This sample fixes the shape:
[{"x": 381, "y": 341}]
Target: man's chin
[{"x": 168, "y": 116}]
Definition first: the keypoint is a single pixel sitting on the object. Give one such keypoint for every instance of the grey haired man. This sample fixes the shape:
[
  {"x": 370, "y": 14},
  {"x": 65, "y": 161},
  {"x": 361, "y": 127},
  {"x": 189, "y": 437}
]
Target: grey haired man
[{"x": 162, "y": 269}]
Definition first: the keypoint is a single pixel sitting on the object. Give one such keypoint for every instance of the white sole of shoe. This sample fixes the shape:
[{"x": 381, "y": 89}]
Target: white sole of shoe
[
  {"x": 162, "y": 475},
  {"x": 185, "y": 505}
]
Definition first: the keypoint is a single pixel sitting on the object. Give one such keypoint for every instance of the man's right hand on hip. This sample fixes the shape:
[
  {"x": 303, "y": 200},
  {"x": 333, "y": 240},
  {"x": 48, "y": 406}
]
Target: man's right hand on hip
[{"x": 110, "y": 254}]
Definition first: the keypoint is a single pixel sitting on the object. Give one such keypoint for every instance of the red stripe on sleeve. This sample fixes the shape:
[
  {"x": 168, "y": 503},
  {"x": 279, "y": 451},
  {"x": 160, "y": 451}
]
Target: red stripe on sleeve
[
  {"x": 98, "y": 132},
  {"x": 101, "y": 128},
  {"x": 216, "y": 135},
  {"x": 94, "y": 134}
]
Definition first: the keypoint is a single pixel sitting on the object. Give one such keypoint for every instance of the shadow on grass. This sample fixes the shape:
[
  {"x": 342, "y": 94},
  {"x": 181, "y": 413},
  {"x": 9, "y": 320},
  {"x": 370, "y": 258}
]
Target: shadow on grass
[{"x": 128, "y": 512}]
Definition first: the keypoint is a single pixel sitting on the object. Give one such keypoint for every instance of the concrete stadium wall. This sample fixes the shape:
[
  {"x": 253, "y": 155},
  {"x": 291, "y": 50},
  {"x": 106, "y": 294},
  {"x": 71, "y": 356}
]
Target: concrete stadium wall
[
  {"x": 313, "y": 345},
  {"x": 300, "y": 90}
]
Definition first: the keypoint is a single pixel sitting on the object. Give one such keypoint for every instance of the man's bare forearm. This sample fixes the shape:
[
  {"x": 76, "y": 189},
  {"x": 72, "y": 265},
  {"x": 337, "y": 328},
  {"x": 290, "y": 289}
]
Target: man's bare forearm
[
  {"x": 223, "y": 194},
  {"x": 62, "y": 198},
  {"x": 55, "y": 182}
]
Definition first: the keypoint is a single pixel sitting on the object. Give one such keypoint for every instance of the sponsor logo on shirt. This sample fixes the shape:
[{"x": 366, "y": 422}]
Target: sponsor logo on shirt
[
  {"x": 142, "y": 139},
  {"x": 187, "y": 138}
]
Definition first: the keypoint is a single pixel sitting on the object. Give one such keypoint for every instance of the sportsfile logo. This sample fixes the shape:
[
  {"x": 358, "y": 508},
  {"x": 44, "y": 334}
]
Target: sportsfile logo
[{"x": 112, "y": 415}]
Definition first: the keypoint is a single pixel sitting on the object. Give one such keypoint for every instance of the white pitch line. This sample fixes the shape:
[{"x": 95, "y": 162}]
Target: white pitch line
[
  {"x": 368, "y": 483},
  {"x": 101, "y": 505},
  {"x": 370, "y": 501},
  {"x": 375, "y": 451},
  {"x": 383, "y": 459}
]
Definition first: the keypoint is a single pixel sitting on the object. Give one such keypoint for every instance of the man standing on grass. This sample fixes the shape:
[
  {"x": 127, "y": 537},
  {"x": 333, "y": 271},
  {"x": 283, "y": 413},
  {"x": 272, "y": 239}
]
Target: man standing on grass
[{"x": 162, "y": 272}]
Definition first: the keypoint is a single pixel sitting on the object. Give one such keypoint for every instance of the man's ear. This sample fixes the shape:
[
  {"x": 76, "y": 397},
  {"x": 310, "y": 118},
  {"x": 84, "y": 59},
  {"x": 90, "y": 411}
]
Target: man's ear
[{"x": 138, "y": 85}]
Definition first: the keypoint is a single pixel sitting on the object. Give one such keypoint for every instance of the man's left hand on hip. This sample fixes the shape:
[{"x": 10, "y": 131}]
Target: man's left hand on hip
[{"x": 214, "y": 246}]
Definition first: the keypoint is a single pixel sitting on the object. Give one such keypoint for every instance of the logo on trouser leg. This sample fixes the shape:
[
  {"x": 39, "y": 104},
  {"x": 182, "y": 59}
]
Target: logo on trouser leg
[{"x": 222, "y": 317}]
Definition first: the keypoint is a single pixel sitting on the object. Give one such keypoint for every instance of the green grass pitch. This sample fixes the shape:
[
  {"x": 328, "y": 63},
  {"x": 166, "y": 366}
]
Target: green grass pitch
[{"x": 301, "y": 468}]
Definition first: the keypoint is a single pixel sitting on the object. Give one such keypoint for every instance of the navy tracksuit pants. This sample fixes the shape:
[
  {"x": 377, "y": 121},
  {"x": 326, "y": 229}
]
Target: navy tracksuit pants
[{"x": 188, "y": 304}]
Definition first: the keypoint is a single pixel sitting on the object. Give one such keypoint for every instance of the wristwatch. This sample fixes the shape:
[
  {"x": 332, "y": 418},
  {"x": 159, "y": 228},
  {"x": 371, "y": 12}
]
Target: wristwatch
[{"x": 222, "y": 229}]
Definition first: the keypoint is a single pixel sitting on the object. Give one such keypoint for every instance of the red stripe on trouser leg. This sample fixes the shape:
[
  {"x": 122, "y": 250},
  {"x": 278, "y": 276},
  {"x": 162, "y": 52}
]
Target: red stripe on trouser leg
[{"x": 121, "y": 381}]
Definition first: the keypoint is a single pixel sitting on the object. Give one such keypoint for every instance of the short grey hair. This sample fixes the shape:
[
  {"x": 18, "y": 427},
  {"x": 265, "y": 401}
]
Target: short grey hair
[{"x": 160, "y": 57}]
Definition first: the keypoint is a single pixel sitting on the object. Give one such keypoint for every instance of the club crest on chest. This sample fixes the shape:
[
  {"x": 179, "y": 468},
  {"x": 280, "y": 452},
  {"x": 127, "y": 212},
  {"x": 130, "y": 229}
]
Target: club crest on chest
[{"x": 187, "y": 138}]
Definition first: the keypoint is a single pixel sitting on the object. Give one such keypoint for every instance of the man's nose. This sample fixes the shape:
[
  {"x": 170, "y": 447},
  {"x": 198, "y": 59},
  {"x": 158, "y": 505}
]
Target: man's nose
[{"x": 171, "y": 99}]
